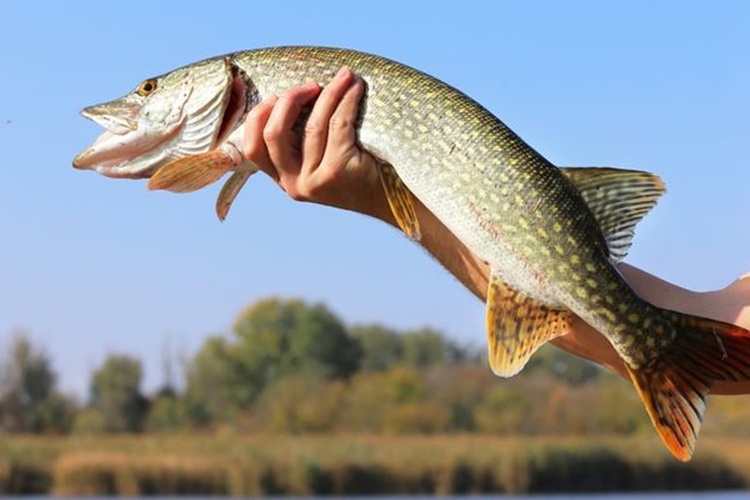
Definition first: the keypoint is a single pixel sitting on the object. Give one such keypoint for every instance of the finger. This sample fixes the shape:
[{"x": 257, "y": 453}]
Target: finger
[
  {"x": 253, "y": 145},
  {"x": 316, "y": 128},
  {"x": 342, "y": 134},
  {"x": 278, "y": 135}
]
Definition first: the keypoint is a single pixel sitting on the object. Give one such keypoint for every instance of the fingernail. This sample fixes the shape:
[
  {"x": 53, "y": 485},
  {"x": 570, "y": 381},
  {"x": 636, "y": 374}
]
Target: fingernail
[{"x": 343, "y": 73}]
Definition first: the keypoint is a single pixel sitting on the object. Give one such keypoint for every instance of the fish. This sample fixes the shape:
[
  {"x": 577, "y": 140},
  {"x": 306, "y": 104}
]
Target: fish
[{"x": 552, "y": 236}]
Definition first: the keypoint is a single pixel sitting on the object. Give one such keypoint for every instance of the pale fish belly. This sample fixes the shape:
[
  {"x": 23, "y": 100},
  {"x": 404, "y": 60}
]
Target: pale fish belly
[
  {"x": 433, "y": 184},
  {"x": 489, "y": 246}
]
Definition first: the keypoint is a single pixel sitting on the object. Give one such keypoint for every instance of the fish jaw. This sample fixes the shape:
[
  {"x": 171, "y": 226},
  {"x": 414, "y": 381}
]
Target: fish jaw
[
  {"x": 188, "y": 112},
  {"x": 130, "y": 143}
]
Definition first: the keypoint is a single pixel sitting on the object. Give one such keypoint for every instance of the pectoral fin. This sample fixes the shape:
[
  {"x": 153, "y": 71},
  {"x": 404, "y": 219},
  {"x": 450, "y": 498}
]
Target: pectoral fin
[
  {"x": 518, "y": 325},
  {"x": 229, "y": 192},
  {"x": 191, "y": 173},
  {"x": 400, "y": 200}
]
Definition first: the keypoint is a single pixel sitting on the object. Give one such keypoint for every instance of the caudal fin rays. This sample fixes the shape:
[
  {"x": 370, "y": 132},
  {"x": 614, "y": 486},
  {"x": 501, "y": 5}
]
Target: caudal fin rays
[
  {"x": 674, "y": 387},
  {"x": 675, "y": 401}
]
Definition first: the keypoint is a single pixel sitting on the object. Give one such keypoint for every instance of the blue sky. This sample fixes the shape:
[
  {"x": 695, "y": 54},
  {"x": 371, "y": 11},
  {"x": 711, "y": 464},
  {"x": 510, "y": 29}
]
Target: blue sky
[{"x": 90, "y": 265}]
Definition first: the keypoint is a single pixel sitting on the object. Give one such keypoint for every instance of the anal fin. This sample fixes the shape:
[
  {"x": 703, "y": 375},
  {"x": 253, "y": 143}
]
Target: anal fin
[
  {"x": 518, "y": 325},
  {"x": 400, "y": 200}
]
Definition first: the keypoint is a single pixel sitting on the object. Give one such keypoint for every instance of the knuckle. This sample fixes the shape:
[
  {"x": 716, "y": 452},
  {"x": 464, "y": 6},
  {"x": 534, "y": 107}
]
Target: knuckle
[
  {"x": 253, "y": 147},
  {"x": 314, "y": 127},
  {"x": 298, "y": 194},
  {"x": 252, "y": 150},
  {"x": 340, "y": 122},
  {"x": 272, "y": 133}
]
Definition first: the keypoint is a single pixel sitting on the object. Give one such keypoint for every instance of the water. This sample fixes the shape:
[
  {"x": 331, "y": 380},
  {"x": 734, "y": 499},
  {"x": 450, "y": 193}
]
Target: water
[
  {"x": 733, "y": 495},
  {"x": 736, "y": 495}
]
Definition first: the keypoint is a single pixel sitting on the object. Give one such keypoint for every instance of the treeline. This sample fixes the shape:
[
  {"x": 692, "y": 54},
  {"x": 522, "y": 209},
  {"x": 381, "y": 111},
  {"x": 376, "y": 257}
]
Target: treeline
[{"x": 292, "y": 367}]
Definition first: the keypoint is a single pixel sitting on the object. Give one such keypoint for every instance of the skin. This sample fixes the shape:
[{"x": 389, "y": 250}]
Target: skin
[{"x": 327, "y": 166}]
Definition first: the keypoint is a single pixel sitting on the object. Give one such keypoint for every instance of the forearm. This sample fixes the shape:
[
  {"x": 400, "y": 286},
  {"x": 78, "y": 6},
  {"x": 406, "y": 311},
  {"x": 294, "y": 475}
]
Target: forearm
[
  {"x": 474, "y": 274},
  {"x": 726, "y": 305},
  {"x": 330, "y": 168}
]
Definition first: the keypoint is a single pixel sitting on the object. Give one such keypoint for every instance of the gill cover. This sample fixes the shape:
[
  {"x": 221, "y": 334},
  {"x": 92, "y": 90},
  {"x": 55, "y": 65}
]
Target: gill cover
[{"x": 166, "y": 118}]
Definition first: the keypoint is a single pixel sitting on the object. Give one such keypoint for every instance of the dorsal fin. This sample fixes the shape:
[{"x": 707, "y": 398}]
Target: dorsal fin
[{"x": 619, "y": 199}]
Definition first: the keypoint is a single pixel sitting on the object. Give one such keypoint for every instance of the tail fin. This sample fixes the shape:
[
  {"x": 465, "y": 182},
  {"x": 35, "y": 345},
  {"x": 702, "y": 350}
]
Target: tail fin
[{"x": 675, "y": 386}]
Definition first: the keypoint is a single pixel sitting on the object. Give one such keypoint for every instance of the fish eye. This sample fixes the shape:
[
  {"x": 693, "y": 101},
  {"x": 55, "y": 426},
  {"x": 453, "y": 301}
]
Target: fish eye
[{"x": 147, "y": 87}]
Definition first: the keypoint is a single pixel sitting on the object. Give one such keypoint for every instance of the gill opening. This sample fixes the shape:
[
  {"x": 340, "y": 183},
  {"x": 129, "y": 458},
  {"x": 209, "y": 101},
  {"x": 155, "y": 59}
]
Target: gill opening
[{"x": 237, "y": 106}]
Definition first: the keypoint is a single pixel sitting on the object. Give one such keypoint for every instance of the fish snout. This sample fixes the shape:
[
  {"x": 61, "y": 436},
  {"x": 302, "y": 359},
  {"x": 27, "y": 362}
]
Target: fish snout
[{"x": 79, "y": 162}]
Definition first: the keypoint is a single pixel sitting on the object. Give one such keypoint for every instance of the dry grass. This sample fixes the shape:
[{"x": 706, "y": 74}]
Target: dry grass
[{"x": 309, "y": 465}]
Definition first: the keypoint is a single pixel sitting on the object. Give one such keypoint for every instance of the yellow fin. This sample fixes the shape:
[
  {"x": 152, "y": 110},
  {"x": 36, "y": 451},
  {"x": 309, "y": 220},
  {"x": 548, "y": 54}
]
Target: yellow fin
[
  {"x": 674, "y": 385},
  {"x": 400, "y": 200},
  {"x": 675, "y": 400},
  {"x": 192, "y": 172},
  {"x": 229, "y": 192},
  {"x": 518, "y": 325}
]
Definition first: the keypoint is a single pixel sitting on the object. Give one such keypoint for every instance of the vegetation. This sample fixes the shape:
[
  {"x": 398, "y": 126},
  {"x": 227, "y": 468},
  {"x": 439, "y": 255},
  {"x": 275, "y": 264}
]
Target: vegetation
[
  {"x": 29, "y": 401},
  {"x": 294, "y": 401},
  {"x": 349, "y": 465}
]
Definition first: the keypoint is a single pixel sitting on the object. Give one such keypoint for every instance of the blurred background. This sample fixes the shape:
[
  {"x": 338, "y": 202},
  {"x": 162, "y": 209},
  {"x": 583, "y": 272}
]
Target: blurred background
[{"x": 148, "y": 348}]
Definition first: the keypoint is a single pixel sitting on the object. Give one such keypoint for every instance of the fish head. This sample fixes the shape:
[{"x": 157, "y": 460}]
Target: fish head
[{"x": 186, "y": 112}]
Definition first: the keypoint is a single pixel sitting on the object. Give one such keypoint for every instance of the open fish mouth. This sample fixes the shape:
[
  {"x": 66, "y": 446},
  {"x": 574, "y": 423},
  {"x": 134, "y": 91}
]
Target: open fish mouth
[
  {"x": 190, "y": 119},
  {"x": 113, "y": 151}
]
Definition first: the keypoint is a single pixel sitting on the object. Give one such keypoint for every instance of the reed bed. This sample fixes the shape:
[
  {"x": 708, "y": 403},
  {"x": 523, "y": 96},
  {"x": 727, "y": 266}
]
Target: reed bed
[{"x": 349, "y": 465}]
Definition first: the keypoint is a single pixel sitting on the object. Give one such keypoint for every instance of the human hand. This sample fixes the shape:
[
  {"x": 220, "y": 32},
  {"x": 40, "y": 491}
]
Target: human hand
[{"x": 325, "y": 165}]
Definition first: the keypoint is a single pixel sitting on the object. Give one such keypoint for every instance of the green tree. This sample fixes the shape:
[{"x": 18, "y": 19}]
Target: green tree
[
  {"x": 116, "y": 394},
  {"x": 367, "y": 400},
  {"x": 29, "y": 401},
  {"x": 393, "y": 401},
  {"x": 562, "y": 366},
  {"x": 89, "y": 421},
  {"x": 167, "y": 413},
  {"x": 506, "y": 409},
  {"x": 382, "y": 347},
  {"x": 272, "y": 339},
  {"x": 426, "y": 347},
  {"x": 460, "y": 388},
  {"x": 299, "y": 404},
  {"x": 213, "y": 391},
  {"x": 277, "y": 337}
]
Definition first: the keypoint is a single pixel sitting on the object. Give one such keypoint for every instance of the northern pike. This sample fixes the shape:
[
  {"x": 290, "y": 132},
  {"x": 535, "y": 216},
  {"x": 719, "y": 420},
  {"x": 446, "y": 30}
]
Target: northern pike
[{"x": 552, "y": 236}]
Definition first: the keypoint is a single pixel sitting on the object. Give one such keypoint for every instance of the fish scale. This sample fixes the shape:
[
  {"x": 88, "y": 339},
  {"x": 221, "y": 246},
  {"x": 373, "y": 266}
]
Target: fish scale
[
  {"x": 401, "y": 124},
  {"x": 551, "y": 236}
]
